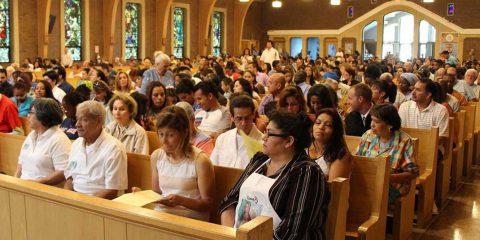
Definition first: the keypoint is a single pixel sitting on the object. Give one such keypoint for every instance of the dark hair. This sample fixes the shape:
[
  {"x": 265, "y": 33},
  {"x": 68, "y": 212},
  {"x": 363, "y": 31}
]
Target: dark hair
[
  {"x": 228, "y": 81},
  {"x": 185, "y": 86},
  {"x": 176, "y": 118},
  {"x": 171, "y": 93},
  {"x": 142, "y": 102},
  {"x": 292, "y": 91},
  {"x": 21, "y": 85},
  {"x": 441, "y": 96},
  {"x": 61, "y": 71},
  {"x": 382, "y": 85},
  {"x": 388, "y": 114},
  {"x": 323, "y": 94},
  {"x": 74, "y": 98},
  {"x": 275, "y": 63},
  {"x": 296, "y": 125},
  {"x": 4, "y": 71},
  {"x": 373, "y": 71},
  {"x": 247, "y": 87},
  {"x": 241, "y": 101},
  {"x": 48, "y": 112},
  {"x": 48, "y": 89},
  {"x": 429, "y": 86},
  {"x": 84, "y": 91},
  {"x": 336, "y": 147},
  {"x": 151, "y": 86},
  {"x": 52, "y": 75},
  {"x": 99, "y": 85},
  {"x": 183, "y": 76},
  {"x": 363, "y": 90},
  {"x": 207, "y": 88}
]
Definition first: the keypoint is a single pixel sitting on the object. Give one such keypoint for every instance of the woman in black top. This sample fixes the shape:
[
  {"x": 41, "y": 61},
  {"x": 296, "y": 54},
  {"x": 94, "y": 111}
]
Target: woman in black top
[{"x": 282, "y": 183}]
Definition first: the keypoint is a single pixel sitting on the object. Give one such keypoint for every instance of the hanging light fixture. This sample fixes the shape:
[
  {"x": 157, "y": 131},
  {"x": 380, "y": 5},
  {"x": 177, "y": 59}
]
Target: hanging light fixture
[
  {"x": 335, "y": 2},
  {"x": 244, "y": 0},
  {"x": 428, "y": 1},
  {"x": 276, "y": 3}
]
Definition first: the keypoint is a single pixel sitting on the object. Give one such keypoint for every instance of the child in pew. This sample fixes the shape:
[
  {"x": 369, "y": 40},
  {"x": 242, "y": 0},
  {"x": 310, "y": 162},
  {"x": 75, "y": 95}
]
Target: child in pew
[
  {"x": 182, "y": 173},
  {"x": 384, "y": 137}
]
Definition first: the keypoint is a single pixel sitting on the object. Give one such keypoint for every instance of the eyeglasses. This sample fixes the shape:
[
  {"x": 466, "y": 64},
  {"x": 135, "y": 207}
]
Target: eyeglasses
[{"x": 269, "y": 134}]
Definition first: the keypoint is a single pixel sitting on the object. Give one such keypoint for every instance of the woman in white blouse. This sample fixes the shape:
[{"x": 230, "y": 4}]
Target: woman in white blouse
[
  {"x": 44, "y": 154},
  {"x": 123, "y": 127},
  {"x": 182, "y": 173}
]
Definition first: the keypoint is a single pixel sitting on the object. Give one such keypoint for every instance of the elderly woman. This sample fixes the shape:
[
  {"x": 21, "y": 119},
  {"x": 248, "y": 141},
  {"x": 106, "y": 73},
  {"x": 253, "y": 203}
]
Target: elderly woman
[
  {"x": 281, "y": 182},
  {"x": 182, "y": 173},
  {"x": 97, "y": 165},
  {"x": 159, "y": 72},
  {"x": 385, "y": 137},
  {"x": 44, "y": 154},
  {"x": 123, "y": 108}
]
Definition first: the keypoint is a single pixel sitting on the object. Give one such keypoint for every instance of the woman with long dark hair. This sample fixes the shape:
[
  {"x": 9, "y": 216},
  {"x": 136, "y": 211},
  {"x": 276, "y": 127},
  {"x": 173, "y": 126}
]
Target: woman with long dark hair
[{"x": 157, "y": 101}]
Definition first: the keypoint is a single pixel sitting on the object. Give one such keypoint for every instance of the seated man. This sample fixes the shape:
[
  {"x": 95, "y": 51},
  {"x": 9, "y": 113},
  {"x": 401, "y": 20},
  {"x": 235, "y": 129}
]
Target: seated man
[
  {"x": 5, "y": 87},
  {"x": 459, "y": 86},
  {"x": 229, "y": 148},
  {"x": 470, "y": 77},
  {"x": 213, "y": 119},
  {"x": 98, "y": 161},
  {"x": 52, "y": 78},
  {"x": 357, "y": 122},
  {"x": 275, "y": 85},
  {"x": 9, "y": 121}
]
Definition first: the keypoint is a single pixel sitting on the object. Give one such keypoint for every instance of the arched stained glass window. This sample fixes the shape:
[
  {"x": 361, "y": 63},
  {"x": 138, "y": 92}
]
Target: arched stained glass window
[
  {"x": 295, "y": 46},
  {"x": 427, "y": 34},
  {"x": 73, "y": 28},
  {"x": 132, "y": 26},
  {"x": 398, "y": 35},
  {"x": 313, "y": 47},
  {"x": 179, "y": 15},
  {"x": 217, "y": 33},
  {"x": 370, "y": 40}
]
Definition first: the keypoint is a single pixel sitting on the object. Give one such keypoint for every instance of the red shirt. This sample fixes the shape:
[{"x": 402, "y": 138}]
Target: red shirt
[{"x": 8, "y": 115}]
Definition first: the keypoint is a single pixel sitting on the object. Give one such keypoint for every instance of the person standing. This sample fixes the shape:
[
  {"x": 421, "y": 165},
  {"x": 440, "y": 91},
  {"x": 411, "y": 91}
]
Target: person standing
[{"x": 270, "y": 54}]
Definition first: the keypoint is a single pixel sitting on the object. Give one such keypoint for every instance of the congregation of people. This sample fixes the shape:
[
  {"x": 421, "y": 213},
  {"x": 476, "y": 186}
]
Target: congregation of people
[{"x": 205, "y": 109}]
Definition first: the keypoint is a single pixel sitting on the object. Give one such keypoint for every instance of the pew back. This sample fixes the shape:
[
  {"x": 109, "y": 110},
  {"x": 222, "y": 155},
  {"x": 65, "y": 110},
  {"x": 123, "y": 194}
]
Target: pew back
[
  {"x": 469, "y": 121},
  {"x": 153, "y": 141},
  {"x": 35, "y": 211},
  {"x": 10, "y": 146},
  {"x": 427, "y": 147},
  {"x": 139, "y": 171}
]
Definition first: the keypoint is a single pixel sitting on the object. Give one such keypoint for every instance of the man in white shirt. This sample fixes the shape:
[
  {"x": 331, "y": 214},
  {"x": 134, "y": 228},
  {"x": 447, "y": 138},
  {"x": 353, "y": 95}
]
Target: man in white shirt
[
  {"x": 460, "y": 86},
  {"x": 213, "y": 119},
  {"x": 229, "y": 148},
  {"x": 422, "y": 112},
  {"x": 472, "y": 88},
  {"x": 52, "y": 78},
  {"x": 67, "y": 58},
  {"x": 269, "y": 54},
  {"x": 98, "y": 162}
]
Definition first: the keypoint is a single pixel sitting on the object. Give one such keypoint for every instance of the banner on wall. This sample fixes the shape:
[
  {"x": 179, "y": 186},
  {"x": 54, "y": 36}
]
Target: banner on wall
[{"x": 449, "y": 42}]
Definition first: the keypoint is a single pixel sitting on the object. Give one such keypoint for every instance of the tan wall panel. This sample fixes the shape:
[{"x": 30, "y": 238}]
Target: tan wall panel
[
  {"x": 54, "y": 50},
  {"x": 135, "y": 232},
  {"x": 115, "y": 230},
  {"x": 17, "y": 214},
  {"x": 5, "y": 224},
  {"x": 44, "y": 222}
]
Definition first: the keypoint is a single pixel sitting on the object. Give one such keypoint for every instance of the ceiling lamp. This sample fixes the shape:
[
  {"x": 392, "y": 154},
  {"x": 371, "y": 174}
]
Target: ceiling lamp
[
  {"x": 276, "y": 3},
  {"x": 244, "y": 0},
  {"x": 334, "y": 2},
  {"x": 428, "y": 1}
]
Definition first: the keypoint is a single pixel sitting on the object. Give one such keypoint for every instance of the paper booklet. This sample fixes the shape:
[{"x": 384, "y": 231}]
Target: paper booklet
[{"x": 139, "y": 199}]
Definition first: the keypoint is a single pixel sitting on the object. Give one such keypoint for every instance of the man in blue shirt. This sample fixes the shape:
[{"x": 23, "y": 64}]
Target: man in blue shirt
[
  {"x": 159, "y": 72},
  {"x": 21, "y": 99}
]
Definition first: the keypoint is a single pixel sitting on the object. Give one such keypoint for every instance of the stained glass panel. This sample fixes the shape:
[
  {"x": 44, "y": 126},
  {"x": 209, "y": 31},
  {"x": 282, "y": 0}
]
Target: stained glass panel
[
  {"x": 217, "y": 33},
  {"x": 4, "y": 31},
  {"x": 178, "y": 32},
  {"x": 132, "y": 26},
  {"x": 73, "y": 28}
]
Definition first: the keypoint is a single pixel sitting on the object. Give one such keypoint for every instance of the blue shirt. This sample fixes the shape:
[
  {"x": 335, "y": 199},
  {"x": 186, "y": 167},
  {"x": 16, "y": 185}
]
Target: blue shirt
[
  {"x": 23, "y": 108},
  {"x": 66, "y": 87},
  {"x": 152, "y": 75},
  {"x": 69, "y": 128}
]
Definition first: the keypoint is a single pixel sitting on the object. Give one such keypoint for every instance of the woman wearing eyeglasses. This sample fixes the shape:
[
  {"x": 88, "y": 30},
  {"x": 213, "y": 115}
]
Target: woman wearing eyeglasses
[{"x": 281, "y": 182}]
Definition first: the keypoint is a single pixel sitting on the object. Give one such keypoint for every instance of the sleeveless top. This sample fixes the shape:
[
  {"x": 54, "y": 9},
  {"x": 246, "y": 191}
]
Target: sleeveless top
[{"x": 180, "y": 179}]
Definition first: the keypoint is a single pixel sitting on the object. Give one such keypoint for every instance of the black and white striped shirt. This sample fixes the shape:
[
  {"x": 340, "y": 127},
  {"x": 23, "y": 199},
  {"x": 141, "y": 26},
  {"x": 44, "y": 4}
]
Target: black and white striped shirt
[{"x": 299, "y": 197}]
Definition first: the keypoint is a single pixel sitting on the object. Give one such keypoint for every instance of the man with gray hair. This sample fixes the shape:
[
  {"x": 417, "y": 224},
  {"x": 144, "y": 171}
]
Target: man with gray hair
[
  {"x": 97, "y": 165},
  {"x": 472, "y": 88},
  {"x": 159, "y": 72}
]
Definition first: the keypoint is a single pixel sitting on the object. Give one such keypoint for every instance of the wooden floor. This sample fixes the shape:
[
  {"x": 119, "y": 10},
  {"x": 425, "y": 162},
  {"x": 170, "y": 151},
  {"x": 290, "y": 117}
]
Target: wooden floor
[{"x": 460, "y": 219}]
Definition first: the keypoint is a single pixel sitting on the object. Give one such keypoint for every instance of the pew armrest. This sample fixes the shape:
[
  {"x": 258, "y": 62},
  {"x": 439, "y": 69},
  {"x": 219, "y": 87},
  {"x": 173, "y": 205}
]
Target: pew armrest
[
  {"x": 425, "y": 177},
  {"x": 368, "y": 227}
]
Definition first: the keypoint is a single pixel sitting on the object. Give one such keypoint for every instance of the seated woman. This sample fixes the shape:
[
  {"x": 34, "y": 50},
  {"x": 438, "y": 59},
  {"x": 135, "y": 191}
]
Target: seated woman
[
  {"x": 123, "y": 83},
  {"x": 329, "y": 149},
  {"x": 318, "y": 98},
  {"x": 123, "y": 108},
  {"x": 241, "y": 85},
  {"x": 157, "y": 101},
  {"x": 385, "y": 136},
  {"x": 379, "y": 91},
  {"x": 183, "y": 174},
  {"x": 292, "y": 100},
  {"x": 69, "y": 104},
  {"x": 44, "y": 154},
  {"x": 285, "y": 183},
  {"x": 43, "y": 90},
  {"x": 103, "y": 94}
]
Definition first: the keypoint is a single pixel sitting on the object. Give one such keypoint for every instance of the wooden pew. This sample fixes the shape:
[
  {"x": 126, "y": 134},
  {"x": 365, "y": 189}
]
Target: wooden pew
[
  {"x": 476, "y": 148},
  {"x": 427, "y": 163},
  {"x": 10, "y": 146},
  {"x": 442, "y": 183},
  {"x": 457, "y": 152},
  {"x": 368, "y": 199},
  {"x": 153, "y": 141},
  {"x": 25, "y": 125},
  {"x": 139, "y": 171},
  {"x": 73, "y": 81},
  {"x": 404, "y": 208},
  {"x": 35, "y": 211},
  {"x": 469, "y": 138}
]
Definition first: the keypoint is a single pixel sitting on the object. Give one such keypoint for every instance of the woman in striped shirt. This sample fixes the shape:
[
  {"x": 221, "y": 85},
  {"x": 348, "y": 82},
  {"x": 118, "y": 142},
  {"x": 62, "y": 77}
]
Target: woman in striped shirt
[{"x": 282, "y": 183}]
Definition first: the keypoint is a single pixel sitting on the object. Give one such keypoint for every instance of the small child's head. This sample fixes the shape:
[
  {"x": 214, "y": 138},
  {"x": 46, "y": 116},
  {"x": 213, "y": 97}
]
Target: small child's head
[
  {"x": 172, "y": 98},
  {"x": 227, "y": 85},
  {"x": 20, "y": 90}
]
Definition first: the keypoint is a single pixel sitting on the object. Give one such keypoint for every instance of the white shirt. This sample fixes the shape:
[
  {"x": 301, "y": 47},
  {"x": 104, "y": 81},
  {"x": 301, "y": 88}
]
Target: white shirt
[
  {"x": 67, "y": 59},
  {"x": 269, "y": 55},
  {"x": 133, "y": 137},
  {"x": 435, "y": 115},
  {"x": 43, "y": 154},
  {"x": 100, "y": 166},
  {"x": 230, "y": 151},
  {"x": 453, "y": 102},
  {"x": 473, "y": 90},
  {"x": 462, "y": 87},
  {"x": 58, "y": 94},
  {"x": 216, "y": 121}
]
